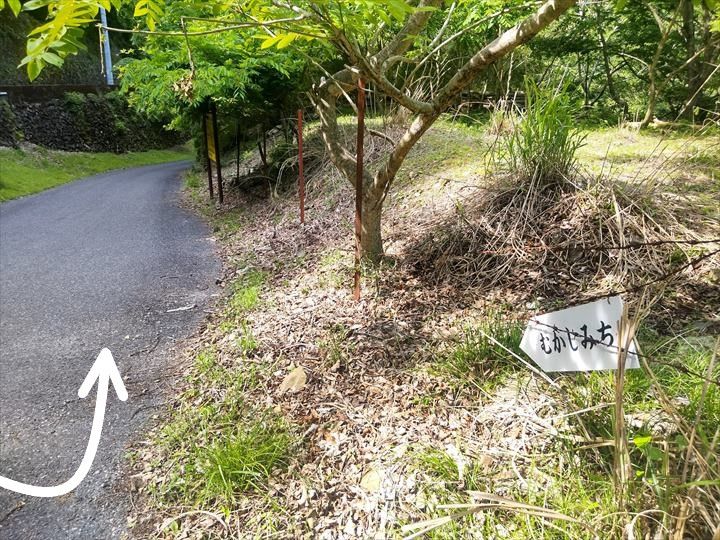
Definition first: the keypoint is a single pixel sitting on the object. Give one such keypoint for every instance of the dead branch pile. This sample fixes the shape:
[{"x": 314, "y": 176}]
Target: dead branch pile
[{"x": 580, "y": 237}]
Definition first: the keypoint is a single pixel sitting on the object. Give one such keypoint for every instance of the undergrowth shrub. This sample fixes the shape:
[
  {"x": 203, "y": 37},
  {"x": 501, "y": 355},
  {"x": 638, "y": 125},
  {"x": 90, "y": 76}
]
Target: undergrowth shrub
[{"x": 541, "y": 148}]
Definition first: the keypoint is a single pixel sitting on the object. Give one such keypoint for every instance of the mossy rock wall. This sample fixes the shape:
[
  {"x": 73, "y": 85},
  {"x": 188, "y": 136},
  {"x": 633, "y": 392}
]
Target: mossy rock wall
[
  {"x": 83, "y": 122},
  {"x": 8, "y": 125}
]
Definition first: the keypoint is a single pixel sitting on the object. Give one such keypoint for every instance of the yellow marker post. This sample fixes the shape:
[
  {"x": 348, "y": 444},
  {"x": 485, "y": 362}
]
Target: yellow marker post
[{"x": 210, "y": 130}]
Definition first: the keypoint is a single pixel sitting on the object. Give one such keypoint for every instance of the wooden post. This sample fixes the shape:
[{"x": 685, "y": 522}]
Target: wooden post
[
  {"x": 301, "y": 178},
  {"x": 237, "y": 149},
  {"x": 207, "y": 155},
  {"x": 359, "y": 184},
  {"x": 217, "y": 153}
]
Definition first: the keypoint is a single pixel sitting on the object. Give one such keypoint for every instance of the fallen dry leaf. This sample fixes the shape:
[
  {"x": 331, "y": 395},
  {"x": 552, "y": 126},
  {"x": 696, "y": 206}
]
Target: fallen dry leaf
[
  {"x": 294, "y": 381},
  {"x": 371, "y": 481}
]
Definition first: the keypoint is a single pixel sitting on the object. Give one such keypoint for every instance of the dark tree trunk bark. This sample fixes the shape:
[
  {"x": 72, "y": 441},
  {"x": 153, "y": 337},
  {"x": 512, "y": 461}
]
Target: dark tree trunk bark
[
  {"x": 612, "y": 90},
  {"x": 371, "y": 241},
  {"x": 688, "y": 32}
]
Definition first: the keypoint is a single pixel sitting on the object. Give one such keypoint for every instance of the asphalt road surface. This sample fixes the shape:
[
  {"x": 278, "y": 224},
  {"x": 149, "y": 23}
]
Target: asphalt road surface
[{"x": 92, "y": 264}]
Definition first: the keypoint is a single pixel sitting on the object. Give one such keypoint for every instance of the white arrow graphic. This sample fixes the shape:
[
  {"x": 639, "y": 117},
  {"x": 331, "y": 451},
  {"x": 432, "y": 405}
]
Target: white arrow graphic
[{"x": 103, "y": 370}]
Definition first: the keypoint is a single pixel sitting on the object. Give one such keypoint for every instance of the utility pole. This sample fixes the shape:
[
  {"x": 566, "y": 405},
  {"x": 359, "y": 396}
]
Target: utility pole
[{"x": 106, "y": 49}]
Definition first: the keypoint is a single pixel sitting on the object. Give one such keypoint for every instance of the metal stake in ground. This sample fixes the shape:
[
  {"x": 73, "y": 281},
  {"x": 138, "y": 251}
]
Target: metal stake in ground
[
  {"x": 217, "y": 153},
  {"x": 301, "y": 178},
  {"x": 208, "y": 150},
  {"x": 237, "y": 149},
  {"x": 359, "y": 183}
]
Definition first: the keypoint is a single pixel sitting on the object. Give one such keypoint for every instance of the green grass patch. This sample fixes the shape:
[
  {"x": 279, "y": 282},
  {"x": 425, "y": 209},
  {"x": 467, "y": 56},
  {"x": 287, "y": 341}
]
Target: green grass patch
[
  {"x": 245, "y": 458},
  {"x": 218, "y": 446},
  {"x": 542, "y": 146},
  {"x": 24, "y": 172},
  {"x": 245, "y": 340},
  {"x": 246, "y": 293},
  {"x": 547, "y": 483},
  {"x": 206, "y": 361},
  {"x": 658, "y": 445},
  {"x": 222, "y": 447},
  {"x": 228, "y": 223},
  {"x": 192, "y": 180},
  {"x": 478, "y": 361}
]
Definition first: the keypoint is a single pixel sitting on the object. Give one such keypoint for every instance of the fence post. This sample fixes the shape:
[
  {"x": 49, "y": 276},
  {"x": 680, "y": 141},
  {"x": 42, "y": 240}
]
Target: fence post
[
  {"x": 237, "y": 149},
  {"x": 217, "y": 152},
  {"x": 301, "y": 178},
  {"x": 359, "y": 183},
  {"x": 207, "y": 154}
]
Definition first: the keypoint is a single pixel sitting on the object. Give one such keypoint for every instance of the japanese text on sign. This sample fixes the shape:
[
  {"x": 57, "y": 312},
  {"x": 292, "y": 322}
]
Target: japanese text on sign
[{"x": 581, "y": 338}]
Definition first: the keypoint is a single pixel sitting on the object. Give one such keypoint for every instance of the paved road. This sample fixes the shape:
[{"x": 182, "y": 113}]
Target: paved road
[{"x": 96, "y": 263}]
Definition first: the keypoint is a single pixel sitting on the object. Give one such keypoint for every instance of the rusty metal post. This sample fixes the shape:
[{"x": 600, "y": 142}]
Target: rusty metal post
[
  {"x": 217, "y": 153},
  {"x": 207, "y": 155},
  {"x": 359, "y": 183},
  {"x": 301, "y": 178},
  {"x": 237, "y": 149}
]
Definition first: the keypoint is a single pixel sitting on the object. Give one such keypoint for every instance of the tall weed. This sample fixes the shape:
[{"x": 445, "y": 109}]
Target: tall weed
[{"x": 541, "y": 149}]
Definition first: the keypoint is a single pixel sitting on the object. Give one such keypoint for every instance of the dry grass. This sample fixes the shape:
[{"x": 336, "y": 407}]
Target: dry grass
[{"x": 570, "y": 236}]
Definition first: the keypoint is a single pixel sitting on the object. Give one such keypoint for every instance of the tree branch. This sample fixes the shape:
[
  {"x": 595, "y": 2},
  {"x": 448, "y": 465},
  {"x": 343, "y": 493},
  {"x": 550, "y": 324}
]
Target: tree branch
[
  {"x": 503, "y": 45},
  {"x": 326, "y": 94},
  {"x": 506, "y": 43}
]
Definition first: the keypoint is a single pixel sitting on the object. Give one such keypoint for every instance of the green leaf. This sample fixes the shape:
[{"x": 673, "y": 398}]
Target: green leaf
[
  {"x": 52, "y": 58},
  {"x": 384, "y": 17},
  {"x": 35, "y": 4},
  {"x": 271, "y": 41},
  {"x": 653, "y": 453},
  {"x": 34, "y": 67},
  {"x": 641, "y": 442},
  {"x": 397, "y": 8},
  {"x": 286, "y": 40},
  {"x": 140, "y": 9},
  {"x": 15, "y": 6}
]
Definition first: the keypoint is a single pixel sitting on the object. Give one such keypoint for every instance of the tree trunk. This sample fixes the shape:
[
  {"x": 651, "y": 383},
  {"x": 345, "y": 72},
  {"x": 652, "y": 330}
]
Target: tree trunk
[
  {"x": 652, "y": 102},
  {"x": 688, "y": 32},
  {"x": 653, "y": 87},
  {"x": 606, "y": 64},
  {"x": 371, "y": 243},
  {"x": 707, "y": 67},
  {"x": 325, "y": 95}
]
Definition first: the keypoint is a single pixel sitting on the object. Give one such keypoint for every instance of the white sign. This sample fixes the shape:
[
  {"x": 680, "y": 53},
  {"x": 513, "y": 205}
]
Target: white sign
[{"x": 581, "y": 338}]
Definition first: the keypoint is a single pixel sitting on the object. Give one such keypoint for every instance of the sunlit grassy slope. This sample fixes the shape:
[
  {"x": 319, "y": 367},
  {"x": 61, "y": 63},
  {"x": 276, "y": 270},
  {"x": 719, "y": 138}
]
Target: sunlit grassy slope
[{"x": 27, "y": 171}]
